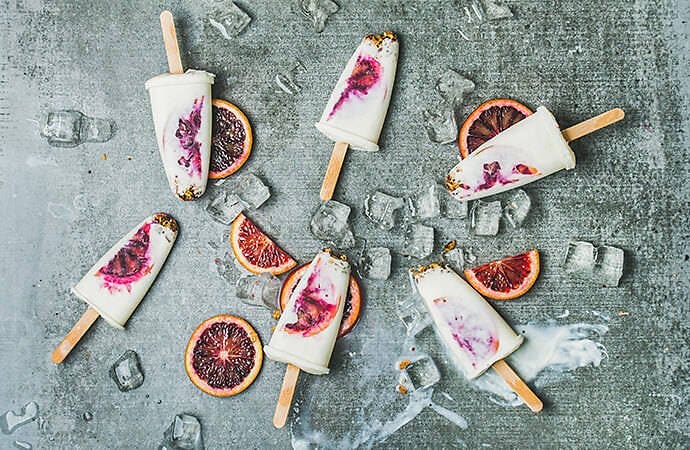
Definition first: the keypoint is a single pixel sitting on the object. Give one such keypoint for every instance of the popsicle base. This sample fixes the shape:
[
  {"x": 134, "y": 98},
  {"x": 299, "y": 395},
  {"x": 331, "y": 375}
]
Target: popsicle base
[
  {"x": 76, "y": 333},
  {"x": 516, "y": 384},
  {"x": 287, "y": 391},
  {"x": 292, "y": 359}
]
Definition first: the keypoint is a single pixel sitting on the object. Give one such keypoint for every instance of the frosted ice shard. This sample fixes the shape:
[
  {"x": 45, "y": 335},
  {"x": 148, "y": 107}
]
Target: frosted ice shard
[
  {"x": 126, "y": 372},
  {"x": 229, "y": 19},
  {"x": 485, "y": 217},
  {"x": 69, "y": 128},
  {"x": 608, "y": 265},
  {"x": 440, "y": 124},
  {"x": 11, "y": 420},
  {"x": 579, "y": 259}
]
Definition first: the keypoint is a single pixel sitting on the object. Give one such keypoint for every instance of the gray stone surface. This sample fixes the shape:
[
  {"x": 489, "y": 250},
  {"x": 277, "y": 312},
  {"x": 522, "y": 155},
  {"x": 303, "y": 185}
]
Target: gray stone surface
[{"x": 62, "y": 208}]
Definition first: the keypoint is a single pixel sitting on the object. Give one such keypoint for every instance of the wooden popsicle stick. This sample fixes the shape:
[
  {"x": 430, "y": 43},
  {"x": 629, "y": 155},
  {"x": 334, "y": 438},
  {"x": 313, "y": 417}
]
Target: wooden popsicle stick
[
  {"x": 285, "y": 397},
  {"x": 172, "y": 50},
  {"x": 516, "y": 384},
  {"x": 75, "y": 334},
  {"x": 333, "y": 171},
  {"x": 593, "y": 124}
]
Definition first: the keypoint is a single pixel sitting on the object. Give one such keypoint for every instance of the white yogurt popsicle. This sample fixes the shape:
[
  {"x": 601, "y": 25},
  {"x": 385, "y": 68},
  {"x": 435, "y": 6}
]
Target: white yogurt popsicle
[
  {"x": 118, "y": 282},
  {"x": 307, "y": 329},
  {"x": 472, "y": 331},
  {"x": 357, "y": 107},
  {"x": 527, "y": 151},
  {"x": 181, "y": 107}
]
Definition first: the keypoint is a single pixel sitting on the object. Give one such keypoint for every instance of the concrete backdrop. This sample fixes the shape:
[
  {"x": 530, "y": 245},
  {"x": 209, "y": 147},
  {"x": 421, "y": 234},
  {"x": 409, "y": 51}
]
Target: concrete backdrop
[{"x": 63, "y": 208}]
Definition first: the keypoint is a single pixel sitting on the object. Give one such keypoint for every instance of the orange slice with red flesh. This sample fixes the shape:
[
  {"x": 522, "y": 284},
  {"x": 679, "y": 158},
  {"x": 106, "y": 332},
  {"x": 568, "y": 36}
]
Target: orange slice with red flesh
[
  {"x": 353, "y": 302},
  {"x": 231, "y": 139},
  {"x": 489, "y": 119},
  {"x": 507, "y": 278},
  {"x": 255, "y": 251},
  {"x": 223, "y": 356}
]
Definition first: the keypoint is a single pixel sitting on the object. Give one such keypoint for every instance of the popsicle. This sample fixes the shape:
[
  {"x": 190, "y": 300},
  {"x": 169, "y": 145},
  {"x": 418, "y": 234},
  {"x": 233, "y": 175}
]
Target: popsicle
[
  {"x": 306, "y": 332},
  {"x": 117, "y": 283},
  {"x": 181, "y": 107},
  {"x": 527, "y": 151},
  {"x": 357, "y": 107},
  {"x": 474, "y": 334}
]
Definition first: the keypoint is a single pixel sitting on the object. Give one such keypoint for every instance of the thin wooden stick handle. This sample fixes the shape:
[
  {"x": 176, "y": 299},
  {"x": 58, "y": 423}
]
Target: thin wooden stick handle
[
  {"x": 285, "y": 397},
  {"x": 170, "y": 38},
  {"x": 516, "y": 384},
  {"x": 75, "y": 334},
  {"x": 333, "y": 171},
  {"x": 593, "y": 124}
]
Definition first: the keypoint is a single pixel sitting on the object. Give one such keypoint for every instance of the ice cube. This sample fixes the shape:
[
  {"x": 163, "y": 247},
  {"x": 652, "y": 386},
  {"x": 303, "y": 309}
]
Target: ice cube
[
  {"x": 317, "y": 12},
  {"x": 11, "y": 420},
  {"x": 494, "y": 11},
  {"x": 380, "y": 208},
  {"x": 516, "y": 207},
  {"x": 330, "y": 224},
  {"x": 251, "y": 189},
  {"x": 375, "y": 263},
  {"x": 426, "y": 203},
  {"x": 23, "y": 445},
  {"x": 453, "y": 208},
  {"x": 413, "y": 316},
  {"x": 69, "y": 128},
  {"x": 184, "y": 433},
  {"x": 608, "y": 265},
  {"x": 579, "y": 258},
  {"x": 225, "y": 207},
  {"x": 259, "y": 290},
  {"x": 485, "y": 217},
  {"x": 229, "y": 19},
  {"x": 87, "y": 416},
  {"x": 126, "y": 372},
  {"x": 285, "y": 78},
  {"x": 453, "y": 87},
  {"x": 440, "y": 124},
  {"x": 418, "y": 372},
  {"x": 454, "y": 257},
  {"x": 419, "y": 240}
]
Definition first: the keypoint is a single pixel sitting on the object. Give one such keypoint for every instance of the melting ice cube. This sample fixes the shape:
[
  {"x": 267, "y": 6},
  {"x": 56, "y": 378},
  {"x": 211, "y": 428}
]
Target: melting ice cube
[
  {"x": 494, "y": 11},
  {"x": 579, "y": 258},
  {"x": 330, "y": 224},
  {"x": 69, "y": 128},
  {"x": 454, "y": 258},
  {"x": 225, "y": 207},
  {"x": 413, "y": 316},
  {"x": 380, "y": 208},
  {"x": 453, "y": 208},
  {"x": 184, "y": 433},
  {"x": 419, "y": 240},
  {"x": 250, "y": 189},
  {"x": 259, "y": 290},
  {"x": 485, "y": 217},
  {"x": 229, "y": 19},
  {"x": 608, "y": 265},
  {"x": 126, "y": 372},
  {"x": 375, "y": 263},
  {"x": 317, "y": 12},
  {"x": 23, "y": 445},
  {"x": 11, "y": 420},
  {"x": 440, "y": 124},
  {"x": 418, "y": 372},
  {"x": 453, "y": 87},
  {"x": 426, "y": 203},
  {"x": 516, "y": 207}
]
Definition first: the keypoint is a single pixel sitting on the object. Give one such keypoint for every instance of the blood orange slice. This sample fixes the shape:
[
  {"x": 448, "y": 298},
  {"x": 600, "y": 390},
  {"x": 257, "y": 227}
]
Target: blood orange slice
[
  {"x": 489, "y": 119},
  {"x": 255, "y": 251},
  {"x": 231, "y": 140},
  {"x": 223, "y": 356},
  {"x": 507, "y": 278},
  {"x": 353, "y": 302}
]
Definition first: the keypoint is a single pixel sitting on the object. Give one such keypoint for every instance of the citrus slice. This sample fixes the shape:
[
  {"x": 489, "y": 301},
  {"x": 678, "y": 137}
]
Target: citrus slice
[
  {"x": 255, "y": 251},
  {"x": 507, "y": 278},
  {"x": 223, "y": 356},
  {"x": 489, "y": 119},
  {"x": 231, "y": 140},
  {"x": 353, "y": 302}
]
